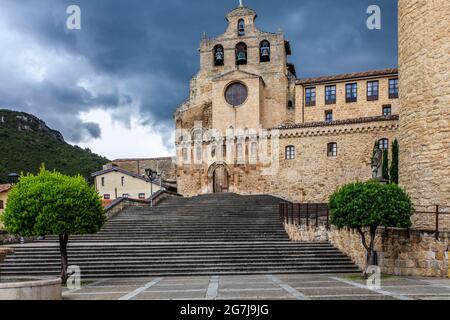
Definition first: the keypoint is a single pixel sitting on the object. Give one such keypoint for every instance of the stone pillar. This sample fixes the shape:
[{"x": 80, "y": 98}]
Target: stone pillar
[{"x": 424, "y": 132}]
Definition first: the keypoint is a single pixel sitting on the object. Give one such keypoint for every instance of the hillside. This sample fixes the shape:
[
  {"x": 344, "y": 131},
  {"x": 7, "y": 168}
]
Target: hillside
[{"x": 26, "y": 142}]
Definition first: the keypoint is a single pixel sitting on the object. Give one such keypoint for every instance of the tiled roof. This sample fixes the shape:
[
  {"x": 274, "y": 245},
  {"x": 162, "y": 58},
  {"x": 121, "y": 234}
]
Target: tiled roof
[
  {"x": 132, "y": 174},
  {"x": 142, "y": 159},
  {"x": 5, "y": 187},
  {"x": 348, "y": 76},
  {"x": 338, "y": 122}
]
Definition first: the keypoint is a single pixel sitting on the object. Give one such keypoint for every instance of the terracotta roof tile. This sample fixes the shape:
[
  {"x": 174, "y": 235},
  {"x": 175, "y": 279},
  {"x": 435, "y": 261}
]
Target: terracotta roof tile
[
  {"x": 5, "y": 187},
  {"x": 338, "y": 122},
  {"x": 348, "y": 76}
]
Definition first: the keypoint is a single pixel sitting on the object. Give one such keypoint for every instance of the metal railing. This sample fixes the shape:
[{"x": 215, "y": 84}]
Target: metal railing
[
  {"x": 432, "y": 219},
  {"x": 307, "y": 214}
]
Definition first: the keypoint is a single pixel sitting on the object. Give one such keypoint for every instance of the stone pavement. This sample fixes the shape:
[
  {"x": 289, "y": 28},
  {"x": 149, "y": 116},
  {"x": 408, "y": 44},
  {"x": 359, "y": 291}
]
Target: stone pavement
[{"x": 266, "y": 287}]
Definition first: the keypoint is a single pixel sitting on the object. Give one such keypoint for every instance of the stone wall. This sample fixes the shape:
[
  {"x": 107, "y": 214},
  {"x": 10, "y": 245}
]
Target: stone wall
[
  {"x": 413, "y": 253},
  {"x": 424, "y": 135},
  {"x": 311, "y": 177}
]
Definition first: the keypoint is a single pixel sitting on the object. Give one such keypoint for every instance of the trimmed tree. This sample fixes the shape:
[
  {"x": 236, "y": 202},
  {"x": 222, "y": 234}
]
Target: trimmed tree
[
  {"x": 385, "y": 165},
  {"x": 366, "y": 206},
  {"x": 394, "y": 164},
  {"x": 51, "y": 203}
]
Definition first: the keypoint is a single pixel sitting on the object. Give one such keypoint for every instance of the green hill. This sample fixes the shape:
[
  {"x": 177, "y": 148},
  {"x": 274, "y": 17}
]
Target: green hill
[{"x": 26, "y": 142}]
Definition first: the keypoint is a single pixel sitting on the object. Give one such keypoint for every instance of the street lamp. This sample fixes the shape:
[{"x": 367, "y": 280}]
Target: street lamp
[
  {"x": 13, "y": 178},
  {"x": 152, "y": 175}
]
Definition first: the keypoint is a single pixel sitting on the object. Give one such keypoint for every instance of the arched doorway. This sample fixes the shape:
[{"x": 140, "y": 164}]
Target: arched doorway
[{"x": 220, "y": 179}]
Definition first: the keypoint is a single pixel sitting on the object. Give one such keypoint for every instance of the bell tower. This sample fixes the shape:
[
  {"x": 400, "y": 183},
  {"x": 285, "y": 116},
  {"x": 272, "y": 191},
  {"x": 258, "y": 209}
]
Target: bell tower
[{"x": 424, "y": 131}]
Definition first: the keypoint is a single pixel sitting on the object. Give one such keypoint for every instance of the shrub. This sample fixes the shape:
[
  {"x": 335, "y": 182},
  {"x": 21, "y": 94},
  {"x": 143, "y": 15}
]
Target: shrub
[
  {"x": 394, "y": 164},
  {"x": 369, "y": 205}
]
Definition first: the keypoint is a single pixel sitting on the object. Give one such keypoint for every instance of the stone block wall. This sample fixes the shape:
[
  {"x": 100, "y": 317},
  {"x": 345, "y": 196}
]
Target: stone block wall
[{"x": 413, "y": 253}]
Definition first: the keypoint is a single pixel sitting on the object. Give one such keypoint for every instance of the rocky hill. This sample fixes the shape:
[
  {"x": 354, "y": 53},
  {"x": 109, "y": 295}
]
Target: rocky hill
[{"x": 26, "y": 142}]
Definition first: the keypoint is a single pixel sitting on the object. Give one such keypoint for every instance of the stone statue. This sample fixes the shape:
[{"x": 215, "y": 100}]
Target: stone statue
[{"x": 377, "y": 160}]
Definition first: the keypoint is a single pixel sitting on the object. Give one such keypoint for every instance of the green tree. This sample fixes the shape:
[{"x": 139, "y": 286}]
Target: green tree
[
  {"x": 366, "y": 206},
  {"x": 394, "y": 164},
  {"x": 385, "y": 165},
  {"x": 51, "y": 203}
]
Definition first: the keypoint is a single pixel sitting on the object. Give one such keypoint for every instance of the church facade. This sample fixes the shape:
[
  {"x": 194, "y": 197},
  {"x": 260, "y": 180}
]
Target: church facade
[{"x": 251, "y": 125}]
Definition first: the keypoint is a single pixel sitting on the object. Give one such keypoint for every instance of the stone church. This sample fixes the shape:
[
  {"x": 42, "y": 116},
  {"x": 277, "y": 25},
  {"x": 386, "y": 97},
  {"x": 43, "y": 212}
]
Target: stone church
[{"x": 252, "y": 125}]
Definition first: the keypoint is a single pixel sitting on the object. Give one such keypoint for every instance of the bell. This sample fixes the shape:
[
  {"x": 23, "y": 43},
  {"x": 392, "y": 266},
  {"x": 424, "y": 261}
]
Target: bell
[
  {"x": 241, "y": 57},
  {"x": 264, "y": 52}
]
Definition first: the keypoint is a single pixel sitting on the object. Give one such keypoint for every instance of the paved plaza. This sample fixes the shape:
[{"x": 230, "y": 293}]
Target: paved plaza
[{"x": 267, "y": 287}]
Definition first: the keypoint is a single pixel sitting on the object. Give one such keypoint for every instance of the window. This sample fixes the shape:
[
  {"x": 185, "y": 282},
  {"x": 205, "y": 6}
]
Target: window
[
  {"x": 125, "y": 195},
  {"x": 241, "y": 53},
  {"x": 198, "y": 153},
  {"x": 393, "y": 88},
  {"x": 141, "y": 196},
  {"x": 351, "y": 92},
  {"x": 236, "y": 94},
  {"x": 184, "y": 154},
  {"x": 372, "y": 90},
  {"x": 264, "y": 51},
  {"x": 241, "y": 28},
  {"x": 310, "y": 97},
  {"x": 289, "y": 153},
  {"x": 290, "y": 104},
  {"x": 106, "y": 196},
  {"x": 240, "y": 152},
  {"x": 387, "y": 110},
  {"x": 122, "y": 181},
  {"x": 219, "y": 55},
  {"x": 383, "y": 144},
  {"x": 2, "y": 204},
  {"x": 254, "y": 149},
  {"x": 332, "y": 149},
  {"x": 329, "y": 115},
  {"x": 330, "y": 94}
]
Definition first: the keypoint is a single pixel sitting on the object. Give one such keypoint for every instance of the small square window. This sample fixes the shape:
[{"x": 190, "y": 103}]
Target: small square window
[
  {"x": 2, "y": 204},
  {"x": 329, "y": 115},
  {"x": 387, "y": 110},
  {"x": 383, "y": 144},
  {"x": 290, "y": 153},
  {"x": 142, "y": 196},
  {"x": 125, "y": 195},
  {"x": 107, "y": 197},
  {"x": 332, "y": 149}
]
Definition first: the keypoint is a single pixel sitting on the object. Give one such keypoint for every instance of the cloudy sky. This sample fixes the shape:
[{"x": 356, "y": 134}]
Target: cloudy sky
[{"x": 113, "y": 85}]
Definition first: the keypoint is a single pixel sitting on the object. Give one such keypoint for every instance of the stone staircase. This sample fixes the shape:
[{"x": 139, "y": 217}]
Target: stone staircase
[{"x": 204, "y": 235}]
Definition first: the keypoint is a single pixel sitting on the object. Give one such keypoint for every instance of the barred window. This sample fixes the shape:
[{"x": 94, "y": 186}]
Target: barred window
[
  {"x": 107, "y": 197},
  {"x": 383, "y": 144},
  {"x": 332, "y": 149},
  {"x": 387, "y": 110},
  {"x": 290, "y": 153}
]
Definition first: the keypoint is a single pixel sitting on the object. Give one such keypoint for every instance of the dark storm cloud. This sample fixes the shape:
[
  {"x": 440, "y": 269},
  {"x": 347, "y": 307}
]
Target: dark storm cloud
[{"x": 143, "y": 53}]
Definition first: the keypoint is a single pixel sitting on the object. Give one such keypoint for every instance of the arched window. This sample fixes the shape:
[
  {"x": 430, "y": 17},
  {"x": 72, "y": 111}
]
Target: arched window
[
  {"x": 264, "y": 51},
  {"x": 197, "y": 135},
  {"x": 332, "y": 149},
  {"x": 254, "y": 148},
  {"x": 184, "y": 154},
  {"x": 289, "y": 153},
  {"x": 383, "y": 144},
  {"x": 219, "y": 55},
  {"x": 241, "y": 53},
  {"x": 241, "y": 28}
]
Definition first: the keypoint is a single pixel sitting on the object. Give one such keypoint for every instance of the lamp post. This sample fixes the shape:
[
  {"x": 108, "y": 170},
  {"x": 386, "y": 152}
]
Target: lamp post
[
  {"x": 13, "y": 178},
  {"x": 152, "y": 175}
]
